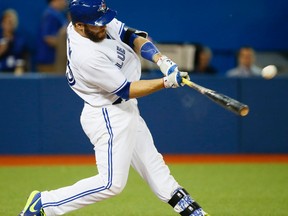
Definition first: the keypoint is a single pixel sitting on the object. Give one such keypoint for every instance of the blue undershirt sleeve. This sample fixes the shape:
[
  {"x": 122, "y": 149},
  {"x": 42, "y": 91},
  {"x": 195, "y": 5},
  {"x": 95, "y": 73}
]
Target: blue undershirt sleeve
[{"x": 124, "y": 92}]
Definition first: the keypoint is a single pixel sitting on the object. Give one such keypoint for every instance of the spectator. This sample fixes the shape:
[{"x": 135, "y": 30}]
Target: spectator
[
  {"x": 53, "y": 27},
  {"x": 246, "y": 64},
  {"x": 12, "y": 45},
  {"x": 203, "y": 58}
]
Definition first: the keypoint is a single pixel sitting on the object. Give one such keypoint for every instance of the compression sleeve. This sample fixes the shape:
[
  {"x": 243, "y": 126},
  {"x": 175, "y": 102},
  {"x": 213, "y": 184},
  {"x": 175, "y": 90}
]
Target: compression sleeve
[{"x": 148, "y": 50}]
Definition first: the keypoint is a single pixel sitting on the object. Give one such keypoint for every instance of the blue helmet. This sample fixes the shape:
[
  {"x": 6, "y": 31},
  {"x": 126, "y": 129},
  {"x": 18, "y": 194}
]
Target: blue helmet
[{"x": 91, "y": 12}]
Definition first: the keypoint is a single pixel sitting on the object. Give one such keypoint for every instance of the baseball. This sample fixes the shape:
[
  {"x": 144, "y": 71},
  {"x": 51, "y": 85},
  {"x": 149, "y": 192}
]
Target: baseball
[{"x": 269, "y": 72}]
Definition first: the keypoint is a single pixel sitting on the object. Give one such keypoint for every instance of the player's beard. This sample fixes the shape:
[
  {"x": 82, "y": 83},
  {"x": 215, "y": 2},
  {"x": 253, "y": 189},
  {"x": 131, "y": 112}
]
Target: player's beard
[{"x": 95, "y": 36}]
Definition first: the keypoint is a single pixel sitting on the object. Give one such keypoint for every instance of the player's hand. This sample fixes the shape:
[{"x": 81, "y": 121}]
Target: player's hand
[
  {"x": 174, "y": 80},
  {"x": 167, "y": 66}
]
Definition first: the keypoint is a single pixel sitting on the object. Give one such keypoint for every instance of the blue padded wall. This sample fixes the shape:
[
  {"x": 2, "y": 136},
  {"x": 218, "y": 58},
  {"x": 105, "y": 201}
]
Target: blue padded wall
[{"x": 41, "y": 115}]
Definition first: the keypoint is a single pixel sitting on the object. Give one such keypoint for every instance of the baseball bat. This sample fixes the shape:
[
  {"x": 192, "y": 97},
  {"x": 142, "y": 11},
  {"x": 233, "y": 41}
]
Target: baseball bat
[{"x": 221, "y": 99}]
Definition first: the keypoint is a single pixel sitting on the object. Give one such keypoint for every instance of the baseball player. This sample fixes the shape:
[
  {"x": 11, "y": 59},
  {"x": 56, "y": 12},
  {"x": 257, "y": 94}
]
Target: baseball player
[{"x": 104, "y": 70}]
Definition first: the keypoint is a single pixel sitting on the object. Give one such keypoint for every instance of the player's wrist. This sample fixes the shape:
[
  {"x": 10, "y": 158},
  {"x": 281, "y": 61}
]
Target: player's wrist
[
  {"x": 166, "y": 83},
  {"x": 156, "y": 57},
  {"x": 160, "y": 60},
  {"x": 167, "y": 66}
]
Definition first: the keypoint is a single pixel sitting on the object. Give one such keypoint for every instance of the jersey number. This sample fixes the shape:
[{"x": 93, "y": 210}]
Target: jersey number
[{"x": 69, "y": 75}]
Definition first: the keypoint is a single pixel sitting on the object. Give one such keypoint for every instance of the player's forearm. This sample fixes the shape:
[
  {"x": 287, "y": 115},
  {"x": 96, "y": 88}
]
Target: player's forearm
[
  {"x": 139, "y": 42},
  {"x": 145, "y": 87}
]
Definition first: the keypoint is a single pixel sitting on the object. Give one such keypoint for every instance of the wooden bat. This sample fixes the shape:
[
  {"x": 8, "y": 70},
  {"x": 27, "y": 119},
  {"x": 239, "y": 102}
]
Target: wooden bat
[{"x": 223, "y": 100}]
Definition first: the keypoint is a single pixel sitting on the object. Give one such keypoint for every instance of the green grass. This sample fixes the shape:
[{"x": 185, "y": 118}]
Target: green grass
[{"x": 222, "y": 189}]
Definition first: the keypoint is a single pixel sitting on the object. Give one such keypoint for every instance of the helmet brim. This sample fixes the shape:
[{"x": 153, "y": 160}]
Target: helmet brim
[{"x": 108, "y": 16}]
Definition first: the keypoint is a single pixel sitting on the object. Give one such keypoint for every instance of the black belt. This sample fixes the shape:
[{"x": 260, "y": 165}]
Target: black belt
[{"x": 118, "y": 101}]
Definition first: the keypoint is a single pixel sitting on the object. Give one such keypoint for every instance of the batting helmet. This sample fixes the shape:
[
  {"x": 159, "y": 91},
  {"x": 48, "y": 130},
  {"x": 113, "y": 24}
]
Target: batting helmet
[{"x": 91, "y": 12}]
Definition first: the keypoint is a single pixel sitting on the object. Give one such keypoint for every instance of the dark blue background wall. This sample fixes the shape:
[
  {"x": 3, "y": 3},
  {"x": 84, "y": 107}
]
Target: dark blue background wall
[
  {"x": 40, "y": 115},
  {"x": 220, "y": 24}
]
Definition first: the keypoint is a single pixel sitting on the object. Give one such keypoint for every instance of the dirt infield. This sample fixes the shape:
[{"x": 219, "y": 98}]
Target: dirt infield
[{"x": 18, "y": 160}]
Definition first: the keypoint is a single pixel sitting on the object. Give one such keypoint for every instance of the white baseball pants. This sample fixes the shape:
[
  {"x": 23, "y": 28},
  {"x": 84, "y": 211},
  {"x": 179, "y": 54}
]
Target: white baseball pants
[{"x": 120, "y": 138}]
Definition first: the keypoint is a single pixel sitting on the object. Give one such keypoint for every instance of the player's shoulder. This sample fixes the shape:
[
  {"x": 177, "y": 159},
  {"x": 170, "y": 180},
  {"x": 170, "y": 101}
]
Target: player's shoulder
[
  {"x": 115, "y": 23},
  {"x": 115, "y": 26}
]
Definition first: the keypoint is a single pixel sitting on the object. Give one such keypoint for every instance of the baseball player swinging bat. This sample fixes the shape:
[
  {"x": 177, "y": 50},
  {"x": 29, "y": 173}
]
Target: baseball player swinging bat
[{"x": 223, "y": 100}]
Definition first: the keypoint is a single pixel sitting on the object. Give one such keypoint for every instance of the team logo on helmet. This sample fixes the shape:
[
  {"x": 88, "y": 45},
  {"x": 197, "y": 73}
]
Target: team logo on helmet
[{"x": 103, "y": 7}]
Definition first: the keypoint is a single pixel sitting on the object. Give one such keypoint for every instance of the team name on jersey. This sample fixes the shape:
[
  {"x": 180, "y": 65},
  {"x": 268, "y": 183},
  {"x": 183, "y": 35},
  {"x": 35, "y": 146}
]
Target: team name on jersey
[{"x": 120, "y": 56}]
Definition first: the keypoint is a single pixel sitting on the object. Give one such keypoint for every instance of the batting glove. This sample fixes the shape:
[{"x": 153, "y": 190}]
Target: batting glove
[
  {"x": 167, "y": 66},
  {"x": 174, "y": 80}
]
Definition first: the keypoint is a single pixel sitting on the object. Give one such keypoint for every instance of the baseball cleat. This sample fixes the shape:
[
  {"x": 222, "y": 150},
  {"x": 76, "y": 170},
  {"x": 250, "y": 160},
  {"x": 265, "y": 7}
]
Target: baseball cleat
[{"x": 33, "y": 205}]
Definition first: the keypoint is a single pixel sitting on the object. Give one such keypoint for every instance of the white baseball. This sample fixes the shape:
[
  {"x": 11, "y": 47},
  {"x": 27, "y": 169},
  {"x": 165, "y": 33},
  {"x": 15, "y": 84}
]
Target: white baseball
[{"x": 269, "y": 72}]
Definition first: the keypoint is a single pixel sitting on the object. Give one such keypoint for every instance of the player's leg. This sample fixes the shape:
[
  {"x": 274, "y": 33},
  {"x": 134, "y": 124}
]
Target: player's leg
[
  {"x": 150, "y": 165},
  {"x": 110, "y": 181},
  {"x": 113, "y": 149}
]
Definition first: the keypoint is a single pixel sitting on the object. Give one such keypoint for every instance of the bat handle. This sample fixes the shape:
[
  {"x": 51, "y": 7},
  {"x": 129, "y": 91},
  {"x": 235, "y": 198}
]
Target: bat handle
[
  {"x": 197, "y": 87},
  {"x": 188, "y": 82}
]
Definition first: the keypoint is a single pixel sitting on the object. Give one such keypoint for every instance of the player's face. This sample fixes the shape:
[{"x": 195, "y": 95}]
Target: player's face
[{"x": 95, "y": 33}]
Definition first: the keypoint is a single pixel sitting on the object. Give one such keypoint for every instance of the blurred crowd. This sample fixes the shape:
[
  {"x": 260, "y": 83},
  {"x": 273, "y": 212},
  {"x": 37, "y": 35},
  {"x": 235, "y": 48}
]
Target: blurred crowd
[{"x": 50, "y": 56}]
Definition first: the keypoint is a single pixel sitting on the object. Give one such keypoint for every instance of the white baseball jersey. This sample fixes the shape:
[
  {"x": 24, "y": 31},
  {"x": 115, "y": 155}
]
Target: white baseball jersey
[{"x": 98, "y": 70}]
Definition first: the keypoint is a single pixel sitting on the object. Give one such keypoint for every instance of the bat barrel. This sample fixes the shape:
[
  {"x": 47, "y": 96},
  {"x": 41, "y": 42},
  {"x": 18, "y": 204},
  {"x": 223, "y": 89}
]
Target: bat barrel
[
  {"x": 228, "y": 103},
  {"x": 223, "y": 100}
]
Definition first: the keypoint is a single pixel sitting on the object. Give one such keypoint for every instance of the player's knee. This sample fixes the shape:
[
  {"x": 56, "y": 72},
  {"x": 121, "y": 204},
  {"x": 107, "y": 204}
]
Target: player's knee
[{"x": 117, "y": 187}]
